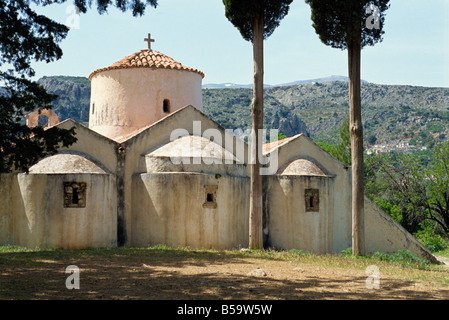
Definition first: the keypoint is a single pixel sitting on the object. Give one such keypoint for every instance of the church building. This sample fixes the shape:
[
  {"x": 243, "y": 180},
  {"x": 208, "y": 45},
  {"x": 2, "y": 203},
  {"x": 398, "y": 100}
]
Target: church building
[{"x": 152, "y": 168}]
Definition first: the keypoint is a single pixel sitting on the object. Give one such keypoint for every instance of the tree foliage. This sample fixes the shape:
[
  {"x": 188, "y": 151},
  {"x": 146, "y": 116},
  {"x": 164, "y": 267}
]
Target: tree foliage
[
  {"x": 243, "y": 12},
  {"x": 256, "y": 20},
  {"x": 341, "y": 151},
  {"x": 137, "y": 7},
  {"x": 337, "y": 21},
  {"x": 344, "y": 25},
  {"x": 421, "y": 191},
  {"x": 26, "y": 36}
]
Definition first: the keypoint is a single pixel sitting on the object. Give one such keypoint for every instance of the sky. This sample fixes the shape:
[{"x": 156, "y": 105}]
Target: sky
[{"x": 414, "y": 50}]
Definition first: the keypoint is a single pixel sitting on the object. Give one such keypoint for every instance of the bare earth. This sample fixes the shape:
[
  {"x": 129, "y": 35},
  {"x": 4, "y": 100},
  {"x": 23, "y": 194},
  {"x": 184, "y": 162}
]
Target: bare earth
[{"x": 200, "y": 275}]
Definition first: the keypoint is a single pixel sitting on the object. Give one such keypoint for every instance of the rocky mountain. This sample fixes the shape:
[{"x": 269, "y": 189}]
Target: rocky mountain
[
  {"x": 389, "y": 112},
  {"x": 317, "y": 80},
  {"x": 418, "y": 114},
  {"x": 228, "y": 85},
  {"x": 73, "y": 96},
  {"x": 234, "y": 85}
]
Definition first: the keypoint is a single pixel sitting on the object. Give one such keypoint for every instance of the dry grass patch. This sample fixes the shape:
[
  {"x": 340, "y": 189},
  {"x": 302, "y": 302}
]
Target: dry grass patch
[{"x": 168, "y": 273}]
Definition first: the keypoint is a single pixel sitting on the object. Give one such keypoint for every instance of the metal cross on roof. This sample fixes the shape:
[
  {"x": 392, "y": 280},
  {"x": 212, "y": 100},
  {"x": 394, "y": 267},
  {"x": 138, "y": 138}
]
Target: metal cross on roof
[{"x": 149, "y": 40}]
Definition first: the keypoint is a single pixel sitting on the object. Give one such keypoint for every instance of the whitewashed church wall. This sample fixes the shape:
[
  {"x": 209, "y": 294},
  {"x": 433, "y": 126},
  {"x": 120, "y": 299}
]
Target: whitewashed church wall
[
  {"x": 125, "y": 100},
  {"x": 93, "y": 144},
  {"x": 172, "y": 209},
  {"x": 152, "y": 138},
  {"x": 303, "y": 147},
  {"x": 290, "y": 225},
  {"x": 8, "y": 189},
  {"x": 41, "y": 220},
  {"x": 383, "y": 234},
  {"x": 342, "y": 212},
  {"x": 339, "y": 203}
]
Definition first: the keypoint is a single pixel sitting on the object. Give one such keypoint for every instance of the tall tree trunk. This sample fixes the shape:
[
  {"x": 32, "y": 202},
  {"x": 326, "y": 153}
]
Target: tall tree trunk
[
  {"x": 255, "y": 204},
  {"x": 356, "y": 129}
]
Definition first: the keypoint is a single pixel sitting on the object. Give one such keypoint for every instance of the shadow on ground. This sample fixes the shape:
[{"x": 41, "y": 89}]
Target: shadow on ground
[{"x": 185, "y": 276}]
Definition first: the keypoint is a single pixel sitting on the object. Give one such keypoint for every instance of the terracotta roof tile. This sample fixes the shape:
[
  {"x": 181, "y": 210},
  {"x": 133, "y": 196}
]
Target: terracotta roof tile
[
  {"x": 270, "y": 146},
  {"x": 147, "y": 59}
]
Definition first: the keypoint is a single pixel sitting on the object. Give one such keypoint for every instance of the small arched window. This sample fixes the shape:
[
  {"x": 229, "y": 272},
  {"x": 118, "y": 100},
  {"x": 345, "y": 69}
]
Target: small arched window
[
  {"x": 166, "y": 106},
  {"x": 312, "y": 200},
  {"x": 74, "y": 194}
]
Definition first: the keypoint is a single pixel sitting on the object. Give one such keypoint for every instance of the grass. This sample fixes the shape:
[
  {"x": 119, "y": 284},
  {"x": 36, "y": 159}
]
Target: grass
[
  {"x": 345, "y": 259},
  {"x": 397, "y": 261},
  {"x": 443, "y": 253},
  {"x": 170, "y": 273}
]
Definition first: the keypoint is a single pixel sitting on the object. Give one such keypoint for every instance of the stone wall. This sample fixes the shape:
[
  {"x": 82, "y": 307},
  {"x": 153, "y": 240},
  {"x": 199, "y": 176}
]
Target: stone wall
[
  {"x": 175, "y": 209},
  {"x": 383, "y": 234},
  {"x": 292, "y": 223},
  {"x": 36, "y": 215},
  {"x": 126, "y": 100}
]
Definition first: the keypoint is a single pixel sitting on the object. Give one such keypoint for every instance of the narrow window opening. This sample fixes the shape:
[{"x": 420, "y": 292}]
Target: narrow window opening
[
  {"x": 75, "y": 197},
  {"x": 211, "y": 197},
  {"x": 312, "y": 200},
  {"x": 93, "y": 108},
  {"x": 75, "y": 194},
  {"x": 166, "y": 106}
]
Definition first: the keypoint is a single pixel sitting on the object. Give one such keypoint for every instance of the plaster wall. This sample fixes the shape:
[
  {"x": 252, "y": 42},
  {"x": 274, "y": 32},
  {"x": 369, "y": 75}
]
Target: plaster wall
[
  {"x": 156, "y": 136},
  {"x": 40, "y": 219},
  {"x": 170, "y": 211},
  {"x": 340, "y": 202},
  {"x": 9, "y": 190},
  {"x": 290, "y": 226},
  {"x": 32, "y": 119},
  {"x": 96, "y": 146},
  {"x": 383, "y": 234},
  {"x": 125, "y": 100}
]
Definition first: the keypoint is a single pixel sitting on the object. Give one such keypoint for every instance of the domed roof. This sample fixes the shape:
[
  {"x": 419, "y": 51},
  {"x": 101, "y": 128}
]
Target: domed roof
[
  {"x": 65, "y": 163},
  {"x": 302, "y": 167},
  {"x": 147, "y": 59},
  {"x": 192, "y": 147},
  {"x": 194, "y": 154}
]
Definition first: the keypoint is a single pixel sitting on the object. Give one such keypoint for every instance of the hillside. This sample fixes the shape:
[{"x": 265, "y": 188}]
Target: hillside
[
  {"x": 389, "y": 112},
  {"x": 234, "y": 85},
  {"x": 73, "y": 96}
]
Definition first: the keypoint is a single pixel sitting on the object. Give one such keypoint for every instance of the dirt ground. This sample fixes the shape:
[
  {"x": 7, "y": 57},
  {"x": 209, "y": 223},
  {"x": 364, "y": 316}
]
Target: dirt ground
[{"x": 25, "y": 276}]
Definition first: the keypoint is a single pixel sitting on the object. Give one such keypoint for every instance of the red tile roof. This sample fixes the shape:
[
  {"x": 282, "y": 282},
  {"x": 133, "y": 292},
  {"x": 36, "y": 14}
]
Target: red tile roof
[
  {"x": 147, "y": 59},
  {"x": 268, "y": 147}
]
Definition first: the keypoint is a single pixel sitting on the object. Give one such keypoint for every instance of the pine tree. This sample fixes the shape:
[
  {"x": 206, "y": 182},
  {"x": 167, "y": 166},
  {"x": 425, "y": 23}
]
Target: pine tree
[
  {"x": 352, "y": 25},
  {"x": 256, "y": 20},
  {"x": 26, "y": 36}
]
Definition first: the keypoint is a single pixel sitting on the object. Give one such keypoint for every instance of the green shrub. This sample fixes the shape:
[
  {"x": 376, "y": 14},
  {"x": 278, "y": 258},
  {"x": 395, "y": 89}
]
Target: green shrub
[
  {"x": 392, "y": 210},
  {"x": 346, "y": 252},
  {"x": 295, "y": 251},
  {"x": 403, "y": 257},
  {"x": 432, "y": 242}
]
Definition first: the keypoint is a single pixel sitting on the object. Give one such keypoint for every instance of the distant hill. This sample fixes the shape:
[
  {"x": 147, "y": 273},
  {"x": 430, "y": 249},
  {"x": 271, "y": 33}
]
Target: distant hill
[
  {"x": 73, "y": 96},
  {"x": 234, "y": 86},
  {"x": 229, "y": 86},
  {"x": 318, "y": 80},
  {"x": 390, "y": 112}
]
